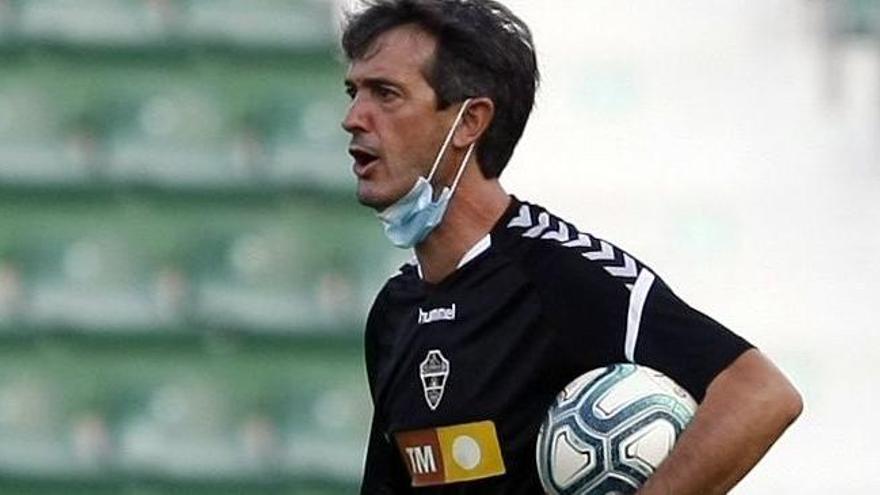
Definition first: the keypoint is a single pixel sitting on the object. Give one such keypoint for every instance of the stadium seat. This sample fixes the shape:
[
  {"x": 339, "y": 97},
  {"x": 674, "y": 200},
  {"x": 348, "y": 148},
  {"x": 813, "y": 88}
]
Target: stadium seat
[
  {"x": 96, "y": 22},
  {"x": 36, "y": 147},
  {"x": 297, "y": 24}
]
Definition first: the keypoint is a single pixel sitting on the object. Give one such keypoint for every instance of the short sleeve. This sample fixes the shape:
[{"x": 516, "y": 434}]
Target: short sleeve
[
  {"x": 682, "y": 342},
  {"x": 601, "y": 318}
]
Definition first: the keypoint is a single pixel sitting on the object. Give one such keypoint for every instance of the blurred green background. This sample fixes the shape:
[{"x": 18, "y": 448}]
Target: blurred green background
[{"x": 184, "y": 272}]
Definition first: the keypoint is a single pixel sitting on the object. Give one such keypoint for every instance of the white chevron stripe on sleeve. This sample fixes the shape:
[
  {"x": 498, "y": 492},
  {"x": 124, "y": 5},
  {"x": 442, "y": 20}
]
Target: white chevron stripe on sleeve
[
  {"x": 637, "y": 299},
  {"x": 599, "y": 250},
  {"x": 543, "y": 224},
  {"x": 524, "y": 219},
  {"x": 561, "y": 235},
  {"x": 607, "y": 253},
  {"x": 583, "y": 240},
  {"x": 628, "y": 269}
]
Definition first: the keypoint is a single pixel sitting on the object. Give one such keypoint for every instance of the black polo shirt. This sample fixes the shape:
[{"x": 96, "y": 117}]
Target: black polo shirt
[{"x": 462, "y": 372}]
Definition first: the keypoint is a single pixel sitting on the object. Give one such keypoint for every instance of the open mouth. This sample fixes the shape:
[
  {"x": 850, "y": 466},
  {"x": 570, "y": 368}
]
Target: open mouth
[{"x": 362, "y": 159}]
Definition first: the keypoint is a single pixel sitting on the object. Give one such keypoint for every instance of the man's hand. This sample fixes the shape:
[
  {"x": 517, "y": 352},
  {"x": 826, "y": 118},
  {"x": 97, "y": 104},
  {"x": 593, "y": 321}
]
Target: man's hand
[{"x": 746, "y": 408}]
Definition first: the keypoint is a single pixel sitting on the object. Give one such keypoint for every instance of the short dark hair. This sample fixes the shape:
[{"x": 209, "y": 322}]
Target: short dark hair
[{"x": 483, "y": 50}]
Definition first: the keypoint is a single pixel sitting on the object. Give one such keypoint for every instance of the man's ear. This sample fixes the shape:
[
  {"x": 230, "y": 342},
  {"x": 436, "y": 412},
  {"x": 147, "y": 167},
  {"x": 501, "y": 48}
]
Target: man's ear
[{"x": 474, "y": 122}]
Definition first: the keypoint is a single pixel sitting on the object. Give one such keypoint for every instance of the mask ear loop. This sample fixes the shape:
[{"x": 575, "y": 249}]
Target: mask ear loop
[
  {"x": 464, "y": 164},
  {"x": 448, "y": 138}
]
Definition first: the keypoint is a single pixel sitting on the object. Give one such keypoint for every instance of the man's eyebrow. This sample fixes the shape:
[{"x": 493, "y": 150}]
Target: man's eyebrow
[{"x": 372, "y": 82}]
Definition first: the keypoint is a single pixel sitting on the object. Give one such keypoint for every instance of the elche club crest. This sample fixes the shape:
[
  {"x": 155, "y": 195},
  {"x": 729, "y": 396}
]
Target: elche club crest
[{"x": 434, "y": 371}]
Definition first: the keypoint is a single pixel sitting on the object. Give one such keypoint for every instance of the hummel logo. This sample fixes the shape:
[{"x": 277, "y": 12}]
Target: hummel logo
[{"x": 439, "y": 314}]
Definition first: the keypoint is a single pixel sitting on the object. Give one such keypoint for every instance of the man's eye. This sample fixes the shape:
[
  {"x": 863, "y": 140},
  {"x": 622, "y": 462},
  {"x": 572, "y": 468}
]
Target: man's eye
[
  {"x": 385, "y": 93},
  {"x": 351, "y": 92}
]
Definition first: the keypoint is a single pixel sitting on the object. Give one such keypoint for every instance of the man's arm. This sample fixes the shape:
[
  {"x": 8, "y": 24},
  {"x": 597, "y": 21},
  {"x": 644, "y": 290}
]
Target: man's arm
[{"x": 746, "y": 408}]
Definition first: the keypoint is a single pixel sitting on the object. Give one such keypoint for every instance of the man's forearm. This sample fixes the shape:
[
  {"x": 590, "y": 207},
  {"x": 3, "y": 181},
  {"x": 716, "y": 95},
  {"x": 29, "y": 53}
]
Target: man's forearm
[{"x": 746, "y": 408}]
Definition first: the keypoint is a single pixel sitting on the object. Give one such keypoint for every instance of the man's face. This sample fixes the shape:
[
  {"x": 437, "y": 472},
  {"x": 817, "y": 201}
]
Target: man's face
[{"x": 393, "y": 119}]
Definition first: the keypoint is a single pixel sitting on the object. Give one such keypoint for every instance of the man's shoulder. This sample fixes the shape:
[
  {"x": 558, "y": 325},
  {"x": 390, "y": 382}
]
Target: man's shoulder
[
  {"x": 551, "y": 249},
  {"x": 403, "y": 283},
  {"x": 400, "y": 286}
]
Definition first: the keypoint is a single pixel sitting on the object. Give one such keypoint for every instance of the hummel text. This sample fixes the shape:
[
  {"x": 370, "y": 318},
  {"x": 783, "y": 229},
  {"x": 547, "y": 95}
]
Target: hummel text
[{"x": 439, "y": 314}]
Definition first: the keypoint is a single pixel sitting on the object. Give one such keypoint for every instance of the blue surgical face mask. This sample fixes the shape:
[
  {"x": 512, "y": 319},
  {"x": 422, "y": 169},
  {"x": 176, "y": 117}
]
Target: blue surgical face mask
[{"x": 411, "y": 218}]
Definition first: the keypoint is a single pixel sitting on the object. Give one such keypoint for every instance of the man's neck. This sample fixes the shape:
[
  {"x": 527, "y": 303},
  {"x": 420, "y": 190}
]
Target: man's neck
[{"x": 475, "y": 208}]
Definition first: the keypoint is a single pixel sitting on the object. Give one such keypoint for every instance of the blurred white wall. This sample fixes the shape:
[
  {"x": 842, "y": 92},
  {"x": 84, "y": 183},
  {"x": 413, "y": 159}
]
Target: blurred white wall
[{"x": 717, "y": 141}]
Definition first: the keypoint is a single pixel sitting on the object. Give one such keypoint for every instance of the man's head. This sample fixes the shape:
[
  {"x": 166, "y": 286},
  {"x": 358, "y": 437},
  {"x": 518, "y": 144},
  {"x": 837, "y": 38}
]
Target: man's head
[{"x": 413, "y": 63}]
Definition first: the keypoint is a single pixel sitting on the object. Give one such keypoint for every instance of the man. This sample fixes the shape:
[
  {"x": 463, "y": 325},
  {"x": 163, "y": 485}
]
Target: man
[{"x": 506, "y": 303}]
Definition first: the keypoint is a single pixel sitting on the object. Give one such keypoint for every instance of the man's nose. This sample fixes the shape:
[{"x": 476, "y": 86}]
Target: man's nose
[{"x": 355, "y": 120}]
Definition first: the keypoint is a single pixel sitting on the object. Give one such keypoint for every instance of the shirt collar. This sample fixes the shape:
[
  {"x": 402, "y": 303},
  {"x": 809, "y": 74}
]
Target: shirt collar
[{"x": 477, "y": 249}]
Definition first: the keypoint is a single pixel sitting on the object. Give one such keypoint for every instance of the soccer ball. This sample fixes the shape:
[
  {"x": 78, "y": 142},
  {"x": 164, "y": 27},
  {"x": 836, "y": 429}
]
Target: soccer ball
[{"x": 609, "y": 429}]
